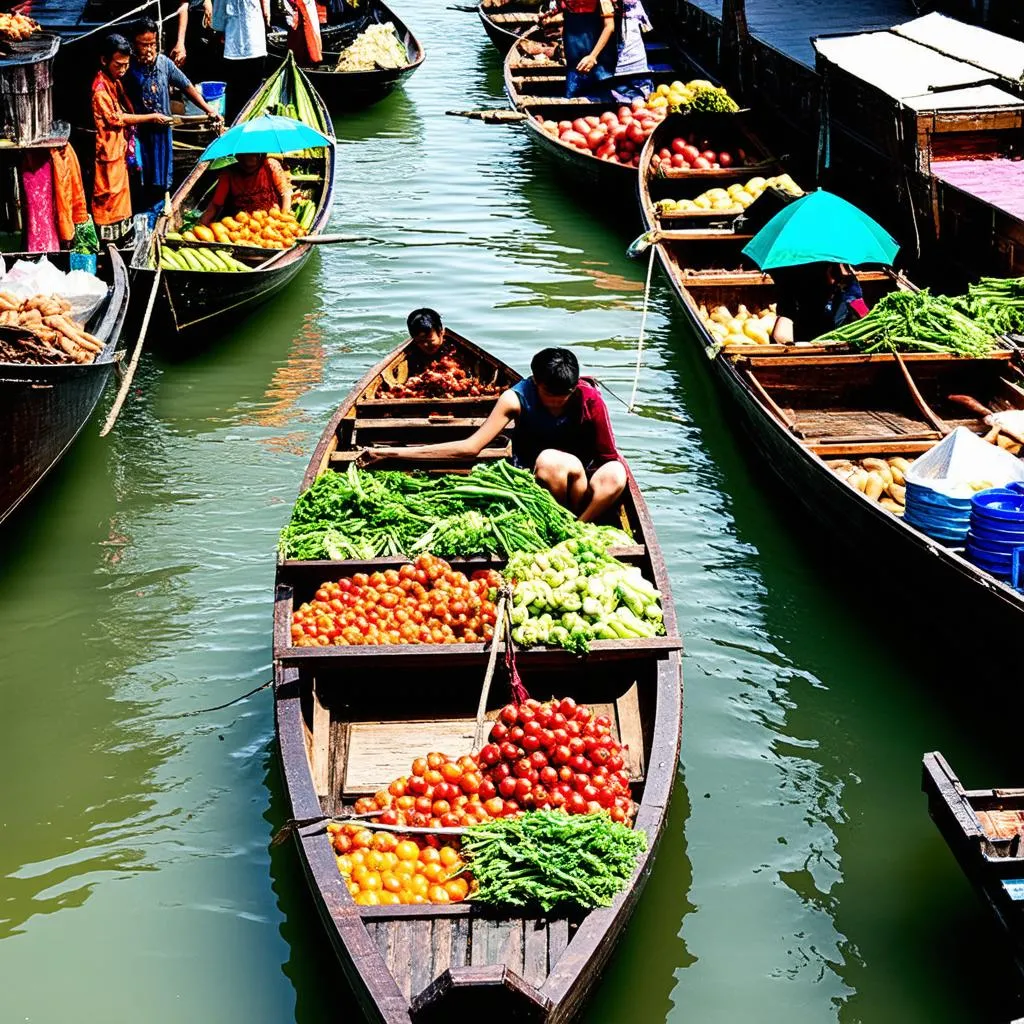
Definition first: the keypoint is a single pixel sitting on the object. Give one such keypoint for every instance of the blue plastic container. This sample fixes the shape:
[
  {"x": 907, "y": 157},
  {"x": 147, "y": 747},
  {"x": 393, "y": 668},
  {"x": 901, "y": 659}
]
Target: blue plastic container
[
  {"x": 939, "y": 516},
  {"x": 999, "y": 505},
  {"x": 213, "y": 93},
  {"x": 995, "y": 542},
  {"x": 82, "y": 261}
]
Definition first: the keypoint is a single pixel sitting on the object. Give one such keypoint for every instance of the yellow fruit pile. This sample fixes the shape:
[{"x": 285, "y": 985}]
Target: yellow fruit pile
[
  {"x": 734, "y": 199},
  {"x": 743, "y": 328},
  {"x": 17, "y": 27},
  {"x": 265, "y": 229},
  {"x": 383, "y": 870}
]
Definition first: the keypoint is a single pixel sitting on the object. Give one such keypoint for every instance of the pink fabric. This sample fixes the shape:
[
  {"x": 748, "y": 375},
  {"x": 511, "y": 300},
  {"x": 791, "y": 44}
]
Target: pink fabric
[
  {"x": 859, "y": 306},
  {"x": 37, "y": 183}
]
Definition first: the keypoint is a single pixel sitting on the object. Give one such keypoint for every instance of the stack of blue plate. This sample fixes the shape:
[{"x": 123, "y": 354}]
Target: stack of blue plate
[
  {"x": 941, "y": 517},
  {"x": 997, "y": 530}
]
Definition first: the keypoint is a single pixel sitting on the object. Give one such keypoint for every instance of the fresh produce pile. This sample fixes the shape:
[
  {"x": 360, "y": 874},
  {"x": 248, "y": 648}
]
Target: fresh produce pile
[
  {"x": 614, "y": 136},
  {"x": 734, "y": 199},
  {"x": 55, "y": 336},
  {"x": 905, "y": 321},
  {"x": 377, "y": 47},
  {"x": 995, "y": 303},
  {"x": 382, "y": 869},
  {"x": 199, "y": 258},
  {"x": 17, "y": 27},
  {"x": 495, "y": 508},
  {"x": 694, "y": 152},
  {"x": 699, "y": 95},
  {"x": 265, "y": 229},
  {"x": 555, "y": 755},
  {"x": 423, "y": 603},
  {"x": 882, "y": 480},
  {"x": 575, "y": 593},
  {"x": 741, "y": 328},
  {"x": 547, "y": 858},
  {"x": 443, "y": 378}
]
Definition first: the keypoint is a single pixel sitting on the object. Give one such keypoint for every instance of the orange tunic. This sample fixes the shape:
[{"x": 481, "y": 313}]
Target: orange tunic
[
  {"x": 111, "y": 193},
  {"x": 68, "y": 192},
  {"x": 260, "y": 191}
]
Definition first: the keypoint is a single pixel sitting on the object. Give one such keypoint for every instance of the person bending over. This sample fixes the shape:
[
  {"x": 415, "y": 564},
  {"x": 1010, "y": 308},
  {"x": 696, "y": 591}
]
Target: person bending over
[{"x": 562, "y": 433}]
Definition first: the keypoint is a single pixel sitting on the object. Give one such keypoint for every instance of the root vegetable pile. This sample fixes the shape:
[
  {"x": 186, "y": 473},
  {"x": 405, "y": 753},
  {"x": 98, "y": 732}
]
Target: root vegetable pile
[
  {"x": 734, "y": 199},
  {"x": 56, "y": 337},
  {"x": 444, "y": 378},
  {"x": 422, "y": 603},
  {"x": 382, "y": 869},
  {"x": 882, "y": 480},
  {"x": 741, "y": 327}
]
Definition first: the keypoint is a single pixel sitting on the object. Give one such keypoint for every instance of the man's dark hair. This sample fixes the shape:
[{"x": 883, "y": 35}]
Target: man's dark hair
[
  {"x": 423, "y": 321},
  {"x": 556, "y": 369},
  {"x": 143, "y": 25},
  {"x": 113, "y": 44}
]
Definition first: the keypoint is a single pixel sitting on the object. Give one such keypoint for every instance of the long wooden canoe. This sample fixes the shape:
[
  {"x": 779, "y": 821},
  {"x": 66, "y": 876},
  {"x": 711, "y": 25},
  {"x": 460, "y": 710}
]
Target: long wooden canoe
[
  {"x": 354, "y": 90},
  {"x": 535, "y": 78},
  {"x": 433, "y": 963},
  {"x": 199, "y": 302},
  {"x": 806, "y": 408},
  {"x": 505, "y": 21},
  {"x": 985, "y": 830},
  {"x": 44, "y": 408}
]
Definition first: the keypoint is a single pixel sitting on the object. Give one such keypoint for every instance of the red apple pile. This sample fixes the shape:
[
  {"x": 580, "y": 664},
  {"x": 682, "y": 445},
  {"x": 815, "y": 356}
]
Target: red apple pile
[
  {"x": 615, "y": 135},
  {"x": 694, "y": 154}
]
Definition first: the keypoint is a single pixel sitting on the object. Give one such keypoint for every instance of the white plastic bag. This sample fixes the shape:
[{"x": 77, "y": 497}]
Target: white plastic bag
[
  {"x": 962, "y": 459},
  {"x": 83, "y": 290}
]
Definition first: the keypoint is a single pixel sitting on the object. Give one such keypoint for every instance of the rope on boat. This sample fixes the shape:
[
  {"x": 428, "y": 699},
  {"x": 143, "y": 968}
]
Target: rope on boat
[
  {"x": 501, "y": 630},
  {"x": 219, "y": 707},
  {"x": 106, "y": 26},
  {"x": 640, "y": 339}
]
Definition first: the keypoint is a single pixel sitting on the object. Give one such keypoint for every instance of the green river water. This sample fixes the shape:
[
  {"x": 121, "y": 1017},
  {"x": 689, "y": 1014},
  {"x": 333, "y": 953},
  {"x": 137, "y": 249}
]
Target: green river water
[{"x": 800, "y": 879}]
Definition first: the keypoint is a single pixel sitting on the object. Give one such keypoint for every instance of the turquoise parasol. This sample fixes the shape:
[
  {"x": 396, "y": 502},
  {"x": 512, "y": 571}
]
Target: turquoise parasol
[
  {"x": 268, "y": 133},
  {"x": 820, "y": 228}
]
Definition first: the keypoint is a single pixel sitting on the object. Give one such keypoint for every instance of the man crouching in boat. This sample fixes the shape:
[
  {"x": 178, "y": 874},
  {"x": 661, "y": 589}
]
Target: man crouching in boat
[{"x": 562, "y": 433}]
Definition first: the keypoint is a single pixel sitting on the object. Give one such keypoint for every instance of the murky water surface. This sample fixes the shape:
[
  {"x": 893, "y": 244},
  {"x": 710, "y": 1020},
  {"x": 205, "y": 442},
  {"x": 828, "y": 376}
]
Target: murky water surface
[{"x": 800, "y": 879}]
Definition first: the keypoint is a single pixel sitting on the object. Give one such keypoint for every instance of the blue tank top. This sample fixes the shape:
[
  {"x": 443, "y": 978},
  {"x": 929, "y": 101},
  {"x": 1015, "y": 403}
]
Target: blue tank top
[{"x": 536, "y": 429}]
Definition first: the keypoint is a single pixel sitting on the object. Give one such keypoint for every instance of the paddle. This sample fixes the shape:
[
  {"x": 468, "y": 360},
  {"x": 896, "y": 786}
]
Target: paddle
[{"x": 494, "y": 115}]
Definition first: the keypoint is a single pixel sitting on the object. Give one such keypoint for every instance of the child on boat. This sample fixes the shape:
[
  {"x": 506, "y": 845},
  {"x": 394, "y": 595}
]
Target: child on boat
[{"x": 562, "y": 433}]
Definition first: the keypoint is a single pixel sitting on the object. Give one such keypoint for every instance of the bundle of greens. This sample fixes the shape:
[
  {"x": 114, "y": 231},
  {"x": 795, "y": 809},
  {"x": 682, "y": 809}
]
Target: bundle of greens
[
  {"x": 996, "y": 303},
  {"x": 915, "y": 322},
  {"x": 551, "y": 858},
  {"x": 494, "y": 509},
  {"x": 576, "y": 593},
  {"x": 713, "y": 99}
]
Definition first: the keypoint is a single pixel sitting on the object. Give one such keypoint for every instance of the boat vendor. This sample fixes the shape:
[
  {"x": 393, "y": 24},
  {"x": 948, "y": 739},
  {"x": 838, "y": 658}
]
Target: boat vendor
[
  {"x": 591, "y": 54},
  {"x": 147, "y": 84},
  {"x": 563, "y": 433},
  {"x": 114, "y": 118},
  {"x": 255, "y": 182},
  {"x": 846, "y": 301},
  {"x": 813, "y": 300},
  {"x": 303, "y": 20},
  {"x": 632, "y": 54},
  {"x": 426, "y": 330}
]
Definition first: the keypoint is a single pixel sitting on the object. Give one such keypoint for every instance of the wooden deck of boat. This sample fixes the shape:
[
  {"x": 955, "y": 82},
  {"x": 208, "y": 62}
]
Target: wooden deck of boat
[{"x": 789, "y": 27}]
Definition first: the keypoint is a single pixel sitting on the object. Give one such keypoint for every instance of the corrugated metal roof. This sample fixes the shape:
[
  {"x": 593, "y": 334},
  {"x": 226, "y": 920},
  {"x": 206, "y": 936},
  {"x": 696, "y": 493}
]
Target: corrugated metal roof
[{"x": 977, "y": 46}]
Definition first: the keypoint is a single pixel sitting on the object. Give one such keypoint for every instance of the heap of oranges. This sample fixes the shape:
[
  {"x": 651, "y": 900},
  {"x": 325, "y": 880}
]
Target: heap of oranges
[
  {"x": 265, "y": 229},
  {"x": 382, "y": 869}
]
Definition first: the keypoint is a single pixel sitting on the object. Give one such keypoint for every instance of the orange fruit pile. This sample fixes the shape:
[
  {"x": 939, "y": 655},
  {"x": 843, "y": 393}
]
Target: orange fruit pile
[{"x": 265, "y": 229}]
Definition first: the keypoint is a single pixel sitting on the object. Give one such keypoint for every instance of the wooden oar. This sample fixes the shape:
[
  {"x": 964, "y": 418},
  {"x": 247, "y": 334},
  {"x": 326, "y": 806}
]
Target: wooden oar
[
  {"x": 500, "y": 631},
  {"x": 926, "y": 410},
  {"x": 494, "y": 115}
]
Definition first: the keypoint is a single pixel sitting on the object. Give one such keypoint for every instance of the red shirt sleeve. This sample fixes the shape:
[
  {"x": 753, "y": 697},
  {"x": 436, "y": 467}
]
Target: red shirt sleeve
[
  {"x": 595, "y": 413},
  {"x": 222, "y": 191}
]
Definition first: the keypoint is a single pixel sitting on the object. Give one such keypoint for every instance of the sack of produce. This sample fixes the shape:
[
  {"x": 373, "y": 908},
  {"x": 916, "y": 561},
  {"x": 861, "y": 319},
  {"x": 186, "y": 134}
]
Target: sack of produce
[{"x": 377, "y": 47}]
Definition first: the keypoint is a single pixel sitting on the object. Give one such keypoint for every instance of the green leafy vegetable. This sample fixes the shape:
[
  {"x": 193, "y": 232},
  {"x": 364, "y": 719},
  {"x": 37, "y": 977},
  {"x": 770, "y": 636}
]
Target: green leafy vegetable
[{"x": 551, "y": 858}]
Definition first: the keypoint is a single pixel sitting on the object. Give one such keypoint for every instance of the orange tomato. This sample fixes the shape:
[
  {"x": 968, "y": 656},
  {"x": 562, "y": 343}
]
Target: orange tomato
[
  {"x": 419, "y": 885},
  {"x": 371, "y": 880},
  {"x": 362, "y": 839},
  {"x": 428, "y": 855},
  {"x": 367, "y": 898},
  {"x": 457, "y": 888},
  {"x": 438, "y": 894},
  {"x": 390, "y": 881},
  {"x": 389, "y": 899},
  {"x": 385, "y": 842},
  {"x": 449, "y": 856},
  {"x": 433, "y": 872},
  {"x": 407, "y": 850},
  {"x": 345, "y": 864}
]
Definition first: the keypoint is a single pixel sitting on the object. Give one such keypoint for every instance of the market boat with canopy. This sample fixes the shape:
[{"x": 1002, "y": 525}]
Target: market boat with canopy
[
  {"x": 46, "y": 395},
  {"x": 206, "y": 274},
  {"x": 347, "y": 90},
  {"x": 984, "y": 829},
  {"x": 841, "y": 420},
  {"x": 420, "y": 942}
]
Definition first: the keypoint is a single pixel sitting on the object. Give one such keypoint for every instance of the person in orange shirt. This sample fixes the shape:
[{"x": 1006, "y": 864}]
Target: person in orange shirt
[
  {"x": 113, "y": 117},
  {"x": 255, "y": 182}
]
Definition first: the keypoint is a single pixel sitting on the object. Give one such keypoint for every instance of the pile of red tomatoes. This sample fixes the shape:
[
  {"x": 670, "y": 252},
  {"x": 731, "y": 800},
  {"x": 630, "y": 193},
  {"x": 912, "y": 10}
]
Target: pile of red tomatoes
[
  {"x": 616, "y": 136},
  {"x": 426, "y": 602},
  {"x": 540, "y": 756},
  {"x": 694, "y": 154}
]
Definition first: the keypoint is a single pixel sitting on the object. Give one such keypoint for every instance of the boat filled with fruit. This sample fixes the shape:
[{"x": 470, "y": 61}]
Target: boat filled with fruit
[
  {"x": 492, "y": 803},
  {"x": 240, "y": 260},
  {"x": 898, "y": 426}
]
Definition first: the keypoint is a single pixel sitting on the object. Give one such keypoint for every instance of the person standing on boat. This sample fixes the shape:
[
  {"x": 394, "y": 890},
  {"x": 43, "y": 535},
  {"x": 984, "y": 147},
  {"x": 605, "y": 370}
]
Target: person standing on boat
[
  {"x": 147, "y": 84},
  {"x": 588, "y": 30},
  {"x": 304, "y": 32},
  {"x": 632, "y": 59},
  {"x": 562, "y": 433},
  {"x": 244, "y": 24},
  {"x": 115, "y": 120}
]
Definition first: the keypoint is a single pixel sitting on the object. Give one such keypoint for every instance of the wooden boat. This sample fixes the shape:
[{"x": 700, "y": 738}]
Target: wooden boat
[
  {"x": 44, "y": 408},
  {"x": 196, "y": 301},
  {"x": 505, "y": 21},
  {"x": 353, "y": 90},
  {"x": 535, "y": 85},
  {"x": 984, "y": 828},
  {"x": 807, "y": 407},
  {"x": 430, "y": 963}
]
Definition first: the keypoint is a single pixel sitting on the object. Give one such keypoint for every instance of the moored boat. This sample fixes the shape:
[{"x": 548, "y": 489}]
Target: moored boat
[
  {"x": 197, "y": 300},
  {"x": 815, "y": 412},
  {"x": 984, "y": 829},
  {"x": 505, "y": 21},
  {"x": 43, "y": 408},
  {"x": 354, "y": 90},
  {"x": 339, "y": 741}
]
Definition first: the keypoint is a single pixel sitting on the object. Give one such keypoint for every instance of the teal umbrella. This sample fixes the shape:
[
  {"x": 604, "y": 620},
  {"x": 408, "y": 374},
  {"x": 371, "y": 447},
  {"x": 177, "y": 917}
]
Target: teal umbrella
[
  {"x": 268, "y": 133},
  {"x": 820, "y": 228}
]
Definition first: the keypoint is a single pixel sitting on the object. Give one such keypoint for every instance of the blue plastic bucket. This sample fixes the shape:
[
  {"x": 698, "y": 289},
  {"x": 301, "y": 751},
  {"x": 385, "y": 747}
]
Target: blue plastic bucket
[
  {"x": 82, "y": 261},
  {"x": 999, "y": 505},
  {"x": 213, "y": 93}
]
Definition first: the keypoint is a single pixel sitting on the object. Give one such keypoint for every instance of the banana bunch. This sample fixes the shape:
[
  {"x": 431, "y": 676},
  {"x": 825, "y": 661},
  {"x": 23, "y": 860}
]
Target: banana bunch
[
  {"x": 881, "y": 480},
  {"x": 213, "y": 260}
]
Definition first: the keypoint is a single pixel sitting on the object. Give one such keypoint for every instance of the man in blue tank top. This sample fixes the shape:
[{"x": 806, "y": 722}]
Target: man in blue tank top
[{"x": 562, "y": 433}]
